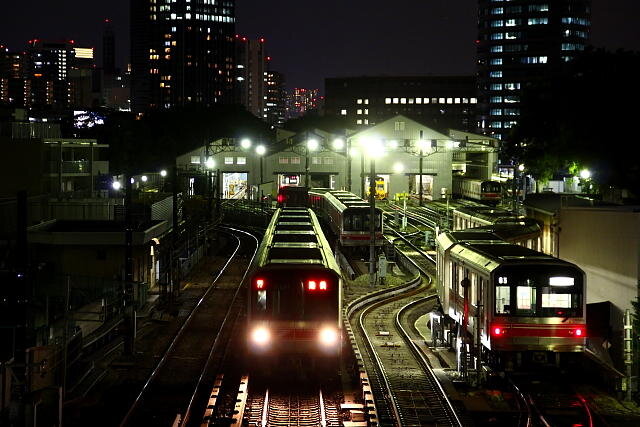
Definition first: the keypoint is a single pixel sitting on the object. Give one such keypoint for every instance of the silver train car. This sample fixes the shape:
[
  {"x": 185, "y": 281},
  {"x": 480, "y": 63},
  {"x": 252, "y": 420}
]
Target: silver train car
[{"x": 294, "y": 290}]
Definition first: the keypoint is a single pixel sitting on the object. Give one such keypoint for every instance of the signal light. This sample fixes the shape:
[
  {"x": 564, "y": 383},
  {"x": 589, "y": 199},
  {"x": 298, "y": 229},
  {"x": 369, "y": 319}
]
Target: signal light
[
  {"x": 323, "y": 285},
  {"x": 579, "y": 332},
  {"x": 312, "y": 285},
  {"x": 260, "y": 284}
]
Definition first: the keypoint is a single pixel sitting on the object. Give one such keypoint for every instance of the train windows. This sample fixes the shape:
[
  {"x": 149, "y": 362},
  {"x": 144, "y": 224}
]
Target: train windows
[
  {"x": 503, "y": 299},
  {"x": 526, "y": 300},
  {"x": 356, "y": 222}
]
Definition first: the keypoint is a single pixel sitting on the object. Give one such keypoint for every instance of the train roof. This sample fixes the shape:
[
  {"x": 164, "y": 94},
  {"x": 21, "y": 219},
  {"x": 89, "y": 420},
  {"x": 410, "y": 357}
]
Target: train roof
[
  {"x": 522, "y": 228},
  {"x": 487, "y": 214},
  {"x": 342, "y": 200},
  {"x": 294, "y": 237},
  {"x": 448, "y": 239}
]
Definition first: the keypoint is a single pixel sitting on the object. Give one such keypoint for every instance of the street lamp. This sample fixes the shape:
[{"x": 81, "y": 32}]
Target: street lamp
[
  {"x": 245, "y": 143},
  {"x": 585, "y": 174},
  {"x": 260, "y": 150},
  {"x": 163, "y": 173},
  {"x": 338, "y": 144},
  {"x": 116, "y": 185},
  {"x": 210, "y": 163},
  {"x": 312, "y": 145},
  {"x": 144, "y": 178}
]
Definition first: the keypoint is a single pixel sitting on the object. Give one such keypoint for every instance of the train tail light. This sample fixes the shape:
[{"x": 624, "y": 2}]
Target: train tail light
[
  {"x": 260, "y": 336},
  {"x": 328, "y": 337},
  {"x": 323, "y": 285},
  {"x": 498, "y": 331},
  {"x": 315, "y": 285},
  {"x": 579, "y": 332},
  {"x": 260, "y": 284},
  {"x": 280, "y": 198},
  {"x": 312, "y": 285}
]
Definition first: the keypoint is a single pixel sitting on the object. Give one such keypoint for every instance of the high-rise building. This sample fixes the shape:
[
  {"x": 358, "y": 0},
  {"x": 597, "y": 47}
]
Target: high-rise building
[
  {"x": 520, "y": 43},
  {"x": 49, "y": 65},
  {"x": 251, "y": 71},
  {"x": 300, "y": 101},
  {"x": 15, "y": 87},
  {"x": 108, "y": 48},
  {"x": 276, "y": 102},
  {"x": 182, "y": 53},
  {"x": 440, "y": 102}
]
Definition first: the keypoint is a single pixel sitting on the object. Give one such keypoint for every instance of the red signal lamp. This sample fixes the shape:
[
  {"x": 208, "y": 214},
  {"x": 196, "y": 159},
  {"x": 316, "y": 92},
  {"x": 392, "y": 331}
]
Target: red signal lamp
[{"x": 260, "y": 284}]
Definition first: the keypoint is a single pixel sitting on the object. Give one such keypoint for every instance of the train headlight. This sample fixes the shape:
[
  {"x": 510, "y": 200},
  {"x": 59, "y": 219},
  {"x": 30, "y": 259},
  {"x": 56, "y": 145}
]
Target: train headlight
[
  {"x": 328, "y": 337},
  {"x": 261, "y": 336}
]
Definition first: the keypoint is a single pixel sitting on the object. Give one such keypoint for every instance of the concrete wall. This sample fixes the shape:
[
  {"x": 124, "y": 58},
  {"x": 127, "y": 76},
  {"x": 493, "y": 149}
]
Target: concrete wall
[{"x": 605, "y": 243}]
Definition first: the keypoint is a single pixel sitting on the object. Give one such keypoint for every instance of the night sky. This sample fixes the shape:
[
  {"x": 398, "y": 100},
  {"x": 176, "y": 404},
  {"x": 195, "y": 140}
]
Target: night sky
[{"x": 310, "y": 39}]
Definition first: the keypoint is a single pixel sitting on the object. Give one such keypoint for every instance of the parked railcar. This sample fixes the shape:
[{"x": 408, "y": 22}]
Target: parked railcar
[
  {"x": 347, "y": 215},
  {"x": 484, "y": 191},
  {"x": 294, "y": 290},
  {"x": 292, "y": 196},
  {"x": 518, "y": 300}
]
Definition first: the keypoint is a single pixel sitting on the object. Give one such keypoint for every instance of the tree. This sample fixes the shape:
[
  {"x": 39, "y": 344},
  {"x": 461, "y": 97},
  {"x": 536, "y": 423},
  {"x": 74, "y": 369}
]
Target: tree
[{"x": 581, "y": 117}]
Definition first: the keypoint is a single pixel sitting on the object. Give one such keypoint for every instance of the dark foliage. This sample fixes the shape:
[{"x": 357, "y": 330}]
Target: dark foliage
[{"x": 585, "y": 116}]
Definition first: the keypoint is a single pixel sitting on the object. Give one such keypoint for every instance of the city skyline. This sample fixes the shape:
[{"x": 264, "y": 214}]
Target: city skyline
[{"x": 335, "y": 41}]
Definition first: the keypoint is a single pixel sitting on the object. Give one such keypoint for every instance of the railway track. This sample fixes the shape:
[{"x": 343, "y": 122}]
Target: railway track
[{"x": 177, "y": 379}]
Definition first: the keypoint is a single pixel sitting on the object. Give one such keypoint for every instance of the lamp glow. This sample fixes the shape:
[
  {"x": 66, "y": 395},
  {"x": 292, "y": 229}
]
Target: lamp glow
[
  {"x": 373, "y": 147},
  {"x": 260, "y": 150},
  {"x": 312, "y": 145},
  {"x": 245, "y": 143},
  {"x": 521, "y": 168},
  {"x": 116, "y": 185},
  {"x": 585, "y": 174},
  {"x": 398, "y": 167},
  {"x": 338, "y": 144},
  {"x": 328, "y": 337},
  {"x": 393, "y": 144},
  {"x": 163, "y": 173},
  {"x": 143, "y": 178},
  {"x": 210, "y": 163}
]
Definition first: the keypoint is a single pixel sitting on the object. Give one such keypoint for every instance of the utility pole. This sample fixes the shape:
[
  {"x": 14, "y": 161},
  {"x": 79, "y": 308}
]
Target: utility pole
[
  {"x": 372, "y": 223},
  {"x": 129, "y": 309},
  {"x": 348, "y": 145},
  {"x": 420, "y": 190}
]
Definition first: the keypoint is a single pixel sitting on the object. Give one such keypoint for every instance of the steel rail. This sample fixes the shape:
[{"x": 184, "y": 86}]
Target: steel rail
[
  {"x": 222, "y": 326},
  {"x": 423, "y": 361},
  {"x": 178, "y": 335}
]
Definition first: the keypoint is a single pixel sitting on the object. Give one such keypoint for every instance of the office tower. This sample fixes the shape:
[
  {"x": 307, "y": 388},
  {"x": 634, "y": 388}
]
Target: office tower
[
  {"x": 440, "y": 102},
  {"x": 276, "y": 102},
  {"x": 181, "y": 53},
  {"x": 520, "y": 43},
  {"x": 300, "y": 101},
  {"x": 108, "y": 48},
  {"x": 49, "y": 65},
  {"x": 251, "y": 67}
]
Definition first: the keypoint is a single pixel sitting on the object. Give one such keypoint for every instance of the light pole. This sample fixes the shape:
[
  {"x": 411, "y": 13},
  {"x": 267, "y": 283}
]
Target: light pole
[
  {"x": 312, "y": 145},
  {"x": 210, "y": 164},
  {"x": 260, "y": 150},
  {"x": 374, "y": 149}
]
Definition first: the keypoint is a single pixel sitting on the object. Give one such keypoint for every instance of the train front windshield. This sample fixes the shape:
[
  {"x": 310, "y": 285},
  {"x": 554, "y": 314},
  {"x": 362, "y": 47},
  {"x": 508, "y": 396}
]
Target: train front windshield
[
  {"x": 539, "y": 291},
  {"x": 310, "y": 299},
  {"x": 491, "y": 187},
  {"x": 359, "y": 221}
]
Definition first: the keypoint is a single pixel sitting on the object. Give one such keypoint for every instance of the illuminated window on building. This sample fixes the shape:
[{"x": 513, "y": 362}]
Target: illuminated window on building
[
  {"x": 295, "y": 160},
  {"x": 418, "y": 100},
  {"x": 366, "y": 111},
  {"x": 449, "y": 100},
  {"x": 474, "y": 100},
  {"x": 328, "y": 160},
  {"x": 410, "y": 100},
  {"x": 572, "y": 20},
  {"x": 366, "y": 121},
  {"x": 495, "y": 112},
  {"x": 496, "y": 49},
  {"x": 465, "y": 100},
  {"x": 537, "y": 21},
  {"x": 387, "y": 100},
  {"x": 538, "y": 8},
  {"x": 228, "y": 160},
  {"x": 366, "y": 102},
  {"x": 495, "y": 86},
  {"x": 425, "y": 100},
  {"x": 497, "y": 23},
  {"x": 512, "y": 35},
  {"x": 403, "y": 100},
  {"x": 316, "y": 160},
  {"x": 195, "y": 160},
  {"x": 496, "y": 125},
  {"x": 510, "y": 124},
  {"x": 359, "y": 101},
  {"x": 241, "y": 160},
  {"x": 399, "y": 126},
  {"x": 495, "y": 61},
  {"x": 495, "y": 99},
  {"x": 456, "y": 101},
  {"x": 359, "y": 111},
  {"x": 511, "y": 112},
  {"x": 442, "y": 100},
  {"x": 495, "y": 74},
  {"x": 510, "y": 99},
  {"x": 512, "y": 86},
  {"x": 497, "y": 11},
  {"x": 395, "y": 100},
  {"x": 343, "y": 112},
  {"x": 497, "y": 36},
  {"x": 572, "y": 46},
  {"x": 284, "y": 160},
  {"x": 359, "y": 121}
]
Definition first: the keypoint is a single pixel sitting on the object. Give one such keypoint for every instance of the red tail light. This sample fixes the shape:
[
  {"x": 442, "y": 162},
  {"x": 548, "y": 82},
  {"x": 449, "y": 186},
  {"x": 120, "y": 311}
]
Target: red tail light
[
  {"x": 280, "y": 198},
  {"x": 312, "y": 285},
  {"x": 323, "y": 285},
  {"x": 579, "y": 332},
  {"x": 498, "y": 331},
  {"x": 260, "y": 284}
]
